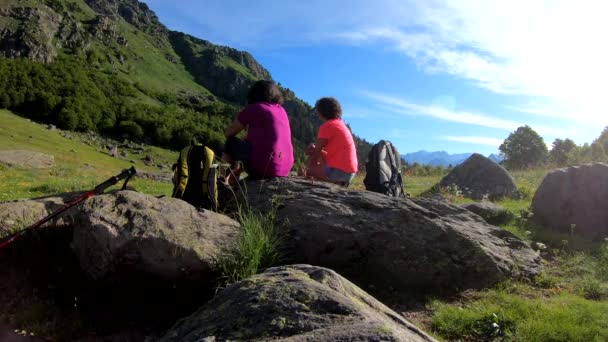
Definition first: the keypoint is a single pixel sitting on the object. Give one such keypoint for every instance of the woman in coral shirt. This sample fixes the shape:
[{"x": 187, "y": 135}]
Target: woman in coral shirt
[{"x": 335, "y": 149}]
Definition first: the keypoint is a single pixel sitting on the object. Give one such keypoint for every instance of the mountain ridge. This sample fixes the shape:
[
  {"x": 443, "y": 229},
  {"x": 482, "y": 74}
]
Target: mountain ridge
[
  {"x": 441, "y": 158},
  {"x": 111, "y": 66}
]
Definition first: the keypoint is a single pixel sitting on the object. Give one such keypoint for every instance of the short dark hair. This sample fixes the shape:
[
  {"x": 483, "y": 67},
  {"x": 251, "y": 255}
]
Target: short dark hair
[
  {"x": 264, "y": 91},
  {"x": 329, "y": 108}
]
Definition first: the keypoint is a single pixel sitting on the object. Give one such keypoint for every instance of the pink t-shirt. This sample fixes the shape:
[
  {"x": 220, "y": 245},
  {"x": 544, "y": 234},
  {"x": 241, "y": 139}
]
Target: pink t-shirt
[
  {"x": 270, "y": 137},
  {"x": 341, "y": 151}
]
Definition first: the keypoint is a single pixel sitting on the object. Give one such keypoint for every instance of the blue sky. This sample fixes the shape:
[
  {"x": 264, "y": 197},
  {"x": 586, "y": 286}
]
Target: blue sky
[{"x": 453, "y": 75}]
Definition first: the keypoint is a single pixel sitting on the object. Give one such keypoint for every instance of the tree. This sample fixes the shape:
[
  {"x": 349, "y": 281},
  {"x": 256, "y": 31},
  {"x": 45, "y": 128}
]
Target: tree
[
  {"x": 598, "y": 153},
  {"x": 523, "y": 148},
  {"x": 560, "y": 150},
  {"x": 602, "y": 140}
]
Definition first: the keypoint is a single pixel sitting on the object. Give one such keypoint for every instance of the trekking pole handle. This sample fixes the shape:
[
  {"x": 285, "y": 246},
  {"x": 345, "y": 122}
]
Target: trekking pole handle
[{"x": 128, "y": 173}]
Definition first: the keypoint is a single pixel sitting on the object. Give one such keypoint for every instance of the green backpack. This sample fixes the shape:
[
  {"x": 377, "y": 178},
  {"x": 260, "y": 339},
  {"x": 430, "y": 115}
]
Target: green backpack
[{"x": 195, "y": 177}]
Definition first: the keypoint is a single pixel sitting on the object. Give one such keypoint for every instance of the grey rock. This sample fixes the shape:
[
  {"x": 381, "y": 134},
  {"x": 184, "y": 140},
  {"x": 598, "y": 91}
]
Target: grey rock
[
  {"x": 387, "y": 242},
  {"x": 17, "y": 215},
  {"x": 574, "y": 196},
  {"x": 32, "y": 34},
  {"x": 478, "y": 177},
  {"x": 166, "y": 177},
  {"x": 491, "y": 212},
  {"x": 294, "y": 303},
  {"x": 166, "y": 238},
  {"x": 114, "y": 151}
]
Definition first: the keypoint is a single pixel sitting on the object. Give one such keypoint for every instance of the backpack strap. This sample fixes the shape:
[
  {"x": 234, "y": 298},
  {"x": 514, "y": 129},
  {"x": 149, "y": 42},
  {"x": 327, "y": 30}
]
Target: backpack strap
[
  {"x": 181, "y": 172},
  {"x": 210, "y": 174}
]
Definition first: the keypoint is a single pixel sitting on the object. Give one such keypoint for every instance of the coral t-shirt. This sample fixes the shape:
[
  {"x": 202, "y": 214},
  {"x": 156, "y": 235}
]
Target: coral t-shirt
[
  {"x": 341, "y": 151},
  {"x": 269, "y": 136}
]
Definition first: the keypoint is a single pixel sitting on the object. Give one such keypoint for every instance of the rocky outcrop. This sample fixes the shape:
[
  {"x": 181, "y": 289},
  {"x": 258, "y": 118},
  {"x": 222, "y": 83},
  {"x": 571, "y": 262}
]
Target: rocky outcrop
[
  {"x": 132, "y": 11},
  {"x": 295, "y": 303},
  {"x": 574, "y": 200},
  {"x": 30, "y": 33},
  {"x": 479, "y": 177},
  {"x": 166, "y": 238},
  {"x": 226, "y": 72},
  {"x": 387, "y": 242}
]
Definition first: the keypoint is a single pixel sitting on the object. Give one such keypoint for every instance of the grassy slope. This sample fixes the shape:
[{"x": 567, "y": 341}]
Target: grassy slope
[
  {"x": 151, "y": 67},
  {"x": 79, "y": 170}
]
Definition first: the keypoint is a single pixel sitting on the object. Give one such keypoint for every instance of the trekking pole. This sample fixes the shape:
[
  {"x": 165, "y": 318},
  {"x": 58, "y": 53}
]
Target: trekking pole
[{"x": 99, "y": 189}]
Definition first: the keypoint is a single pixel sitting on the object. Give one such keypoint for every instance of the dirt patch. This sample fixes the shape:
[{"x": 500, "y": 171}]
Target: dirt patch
[{"x": 27, "y": 159}]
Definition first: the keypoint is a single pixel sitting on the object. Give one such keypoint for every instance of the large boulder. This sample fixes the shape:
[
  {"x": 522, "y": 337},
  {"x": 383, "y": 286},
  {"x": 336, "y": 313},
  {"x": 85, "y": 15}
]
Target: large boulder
[
  {"x": 478, "y": 177},
  {"x": 19, "y": 214},
  {"x": 574, "y": 200},
  {"x": 294, "y": 303},
  {"x": 384, "y": 242},
  {"x": 163, "y": 237}
]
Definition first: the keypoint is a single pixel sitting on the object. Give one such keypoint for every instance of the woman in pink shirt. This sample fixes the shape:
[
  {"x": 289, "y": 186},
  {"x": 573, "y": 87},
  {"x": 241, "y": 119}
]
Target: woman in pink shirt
[
  {"x": 335, "y": 149},
  {"x": 267, "y": 151}
]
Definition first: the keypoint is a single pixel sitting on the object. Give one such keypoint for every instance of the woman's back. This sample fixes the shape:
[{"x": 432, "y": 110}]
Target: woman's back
[{"x": 269, "y": 136}]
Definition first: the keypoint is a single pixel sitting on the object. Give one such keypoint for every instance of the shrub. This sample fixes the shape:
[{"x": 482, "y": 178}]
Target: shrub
[{"x": 257, "y": 248}]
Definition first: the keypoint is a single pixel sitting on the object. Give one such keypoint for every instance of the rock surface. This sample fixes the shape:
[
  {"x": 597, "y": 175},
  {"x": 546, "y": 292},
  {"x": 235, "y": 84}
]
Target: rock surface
[
  {"x": 479, "y": 176},
  {"x": 16, "y": 215},
  {"x": 489, "y": 211},
  {"x": 388, "y": 242},
  {"x": 166, "y": 237},
  {"x": 574, "y": 196},
  {"x": 27, "y": 159},
  {"x": 295, "y": 303}
]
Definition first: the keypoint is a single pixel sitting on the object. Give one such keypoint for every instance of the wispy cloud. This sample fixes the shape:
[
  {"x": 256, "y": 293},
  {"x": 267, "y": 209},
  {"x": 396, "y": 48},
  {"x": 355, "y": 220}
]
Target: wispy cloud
[
  {"x": 488, "y": 141},
  {"x": 402, "y": 106}
]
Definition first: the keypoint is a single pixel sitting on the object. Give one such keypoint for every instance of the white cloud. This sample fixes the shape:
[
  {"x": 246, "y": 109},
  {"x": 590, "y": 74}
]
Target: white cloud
[
  {"x": 550, "y": 49},
  {"x": 404, "y": 107},
  {"x": 494, "y": 142},
  {"x": 401, "y": 106}
]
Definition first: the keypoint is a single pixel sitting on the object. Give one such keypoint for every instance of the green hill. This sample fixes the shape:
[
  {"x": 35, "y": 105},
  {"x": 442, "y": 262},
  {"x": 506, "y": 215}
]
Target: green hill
[
  {"x": 80, "y": 163},
  {"x": 113, "y": 68}
]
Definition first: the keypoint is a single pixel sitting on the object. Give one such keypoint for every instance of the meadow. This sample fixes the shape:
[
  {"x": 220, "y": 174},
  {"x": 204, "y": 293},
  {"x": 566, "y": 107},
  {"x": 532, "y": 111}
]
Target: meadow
[{"x": 567, "y": 301}]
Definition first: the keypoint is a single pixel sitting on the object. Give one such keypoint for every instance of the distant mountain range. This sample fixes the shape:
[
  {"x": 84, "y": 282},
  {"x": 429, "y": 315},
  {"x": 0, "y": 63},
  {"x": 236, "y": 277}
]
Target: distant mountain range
[{"x": 441, "y": 158}]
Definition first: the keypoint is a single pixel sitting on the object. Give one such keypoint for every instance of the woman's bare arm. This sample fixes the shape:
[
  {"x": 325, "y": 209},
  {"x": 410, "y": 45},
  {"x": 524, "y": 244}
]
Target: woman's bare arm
[{"x": 233, "y": 129}]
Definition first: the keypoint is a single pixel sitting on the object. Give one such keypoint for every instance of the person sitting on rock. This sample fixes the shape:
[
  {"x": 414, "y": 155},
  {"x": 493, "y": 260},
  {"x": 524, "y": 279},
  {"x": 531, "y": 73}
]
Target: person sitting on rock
[
  {"x": 334, "y": 157},
  {"x": 267, "y": 150}
]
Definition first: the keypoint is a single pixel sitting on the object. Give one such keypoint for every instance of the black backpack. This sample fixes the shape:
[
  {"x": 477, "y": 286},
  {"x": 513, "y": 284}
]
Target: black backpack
[
  {"x": 195, "y": 177},
  {"x": 383, "y": 167}
]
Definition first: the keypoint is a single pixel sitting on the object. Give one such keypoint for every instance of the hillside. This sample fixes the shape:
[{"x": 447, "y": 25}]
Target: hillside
[{"x": 112, "y": 67}]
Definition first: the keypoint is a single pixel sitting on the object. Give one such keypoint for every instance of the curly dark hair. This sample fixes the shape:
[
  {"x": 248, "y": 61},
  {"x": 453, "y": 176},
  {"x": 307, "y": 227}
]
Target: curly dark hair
[
  {"x": 264, "y": 91},
  {"x": 329, "y": 108}
]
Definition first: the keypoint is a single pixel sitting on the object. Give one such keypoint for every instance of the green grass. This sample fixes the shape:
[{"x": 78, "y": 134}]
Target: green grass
[
  {"x": 257, "y": 248},
  {"x": 78, "y": 166},
  {"x": 521, "y": 316},
  {"x": 228, "y": 62},
  {"x": 566, "y": 302},
  {"x": 151, "y": 67}
]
